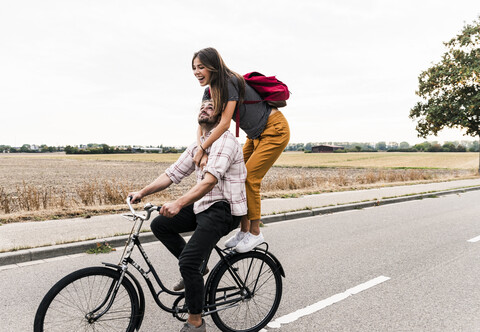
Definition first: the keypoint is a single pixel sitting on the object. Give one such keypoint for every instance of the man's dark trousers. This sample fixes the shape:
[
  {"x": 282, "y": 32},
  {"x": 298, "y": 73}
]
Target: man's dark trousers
[{"x": 209, "y": 226}]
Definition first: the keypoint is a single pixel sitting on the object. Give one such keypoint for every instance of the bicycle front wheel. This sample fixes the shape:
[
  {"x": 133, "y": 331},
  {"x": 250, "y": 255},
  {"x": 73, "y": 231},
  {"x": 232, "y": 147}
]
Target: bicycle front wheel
[
  {"x": 246, "y": 292},
  {"x": 78, "y": 303}
]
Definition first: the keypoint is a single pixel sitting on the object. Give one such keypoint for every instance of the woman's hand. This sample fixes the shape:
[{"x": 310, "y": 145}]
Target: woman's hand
[
  {"x": 203, "y": 161},
  {"x": 197, "y": 158}
]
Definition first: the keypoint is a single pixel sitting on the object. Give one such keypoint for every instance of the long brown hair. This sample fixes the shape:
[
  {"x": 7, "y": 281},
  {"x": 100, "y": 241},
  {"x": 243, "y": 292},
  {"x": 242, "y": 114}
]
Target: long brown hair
[{"x": 220, "y": 74}]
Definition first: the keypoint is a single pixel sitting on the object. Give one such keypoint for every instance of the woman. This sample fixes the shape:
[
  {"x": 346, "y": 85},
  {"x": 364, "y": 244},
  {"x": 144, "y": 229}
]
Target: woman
[{"x": 267, "y": 132}]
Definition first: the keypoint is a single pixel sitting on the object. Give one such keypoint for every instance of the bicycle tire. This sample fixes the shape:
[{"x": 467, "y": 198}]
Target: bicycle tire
[
  {"x": 66, "y": 304},
  {"x": 250, "y": 314}
]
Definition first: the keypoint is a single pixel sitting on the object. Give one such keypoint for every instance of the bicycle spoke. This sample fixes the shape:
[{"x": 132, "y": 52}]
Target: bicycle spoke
[
  {"x": 258, "y": 294},
  {"x": 88, "y": 294}
]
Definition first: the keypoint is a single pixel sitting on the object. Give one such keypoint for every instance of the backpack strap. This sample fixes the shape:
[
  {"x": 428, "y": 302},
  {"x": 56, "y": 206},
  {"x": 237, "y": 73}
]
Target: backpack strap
[{"x": 237, "y": 122}]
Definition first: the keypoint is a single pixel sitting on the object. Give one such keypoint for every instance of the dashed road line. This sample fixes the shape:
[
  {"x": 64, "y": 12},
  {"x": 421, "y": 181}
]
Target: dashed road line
[
  {"x": 475, "y": 239},
  {"x": 277, "y": 323}
]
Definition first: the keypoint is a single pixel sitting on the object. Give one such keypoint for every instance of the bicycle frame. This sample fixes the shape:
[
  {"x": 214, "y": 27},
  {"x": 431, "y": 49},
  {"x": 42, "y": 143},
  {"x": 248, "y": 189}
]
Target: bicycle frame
[
  {"x": 112, "y": 295},
  {"x": 133, "y": 241},
  {"x": 163, "y": 289}
]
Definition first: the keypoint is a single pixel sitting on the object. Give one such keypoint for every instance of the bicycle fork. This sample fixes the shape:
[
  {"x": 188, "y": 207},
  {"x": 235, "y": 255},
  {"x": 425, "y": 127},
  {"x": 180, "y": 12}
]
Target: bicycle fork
[{"x": 92, "y": 317}]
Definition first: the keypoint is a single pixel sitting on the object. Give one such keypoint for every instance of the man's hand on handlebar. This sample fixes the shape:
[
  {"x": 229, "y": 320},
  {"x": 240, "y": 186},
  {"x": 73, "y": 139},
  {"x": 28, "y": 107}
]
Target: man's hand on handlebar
[
  {"x": 136, "y": 197},
  {"x": 170, "y": 209}
]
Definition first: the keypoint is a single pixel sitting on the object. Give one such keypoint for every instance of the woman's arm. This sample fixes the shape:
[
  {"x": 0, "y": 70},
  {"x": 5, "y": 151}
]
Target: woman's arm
[
  {"x": 199, "y": 154},
  {"x": 199, "y": 134},
  {"x": 200, "y": 159},
  {"x": 223, "y": 126}
]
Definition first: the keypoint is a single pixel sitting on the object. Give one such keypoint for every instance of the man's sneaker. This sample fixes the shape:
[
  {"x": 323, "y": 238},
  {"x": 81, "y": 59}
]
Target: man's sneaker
[
  {"x": 249, "y": 242},
  {"x": 190, "y": 328},
  {"x": 181, "y": 285},
  {"x": 234, "y": 240}
]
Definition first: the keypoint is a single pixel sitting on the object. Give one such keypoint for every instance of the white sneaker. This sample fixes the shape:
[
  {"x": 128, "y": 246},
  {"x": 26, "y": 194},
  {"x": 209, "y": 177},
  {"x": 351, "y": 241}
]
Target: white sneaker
[
  {"x": 234, "y": 240},
  {"x": 249, "y": 242}
]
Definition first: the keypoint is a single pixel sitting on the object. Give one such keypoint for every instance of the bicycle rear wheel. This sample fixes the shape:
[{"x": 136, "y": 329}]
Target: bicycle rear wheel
[
  {"x": 83, "y": 294},
  {"x": 252, "y": 286}
]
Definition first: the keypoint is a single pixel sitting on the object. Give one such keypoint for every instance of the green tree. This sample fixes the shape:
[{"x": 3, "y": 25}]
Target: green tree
[
  {"x": 106, "y": 149},
  {"x": 44, "y": 148},
  {"x": 474, "y": 147},
  {"x": 5, "y": 148},
  {"x": 461, "y": 148},
  {"x": 449, "y": 147},
  {"x": 450, "y": 89},
  {"x": 381, "y": 146},
  {"x": 435, "y": 148},
  {"x": 425, "y": 146},
  {"x": 71, "y": 150},
  {"x": 25, "y": 148}
]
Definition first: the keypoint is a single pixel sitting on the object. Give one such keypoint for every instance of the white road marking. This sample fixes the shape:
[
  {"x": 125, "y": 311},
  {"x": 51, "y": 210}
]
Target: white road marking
[
  {"x": 475, "y": 239},
  {"x": 324, "y": 303}
]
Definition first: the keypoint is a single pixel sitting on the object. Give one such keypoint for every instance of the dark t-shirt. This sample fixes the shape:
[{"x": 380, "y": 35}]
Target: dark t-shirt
[{"x": 253, "y": 117}]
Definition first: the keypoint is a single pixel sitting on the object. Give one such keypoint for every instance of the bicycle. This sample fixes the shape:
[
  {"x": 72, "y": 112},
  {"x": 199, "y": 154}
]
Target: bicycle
[{"x": 242, "y": 292}]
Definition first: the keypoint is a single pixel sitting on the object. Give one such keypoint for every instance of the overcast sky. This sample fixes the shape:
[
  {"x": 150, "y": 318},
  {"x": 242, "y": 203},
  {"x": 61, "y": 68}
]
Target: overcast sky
[{"x": 119, "y": 72}]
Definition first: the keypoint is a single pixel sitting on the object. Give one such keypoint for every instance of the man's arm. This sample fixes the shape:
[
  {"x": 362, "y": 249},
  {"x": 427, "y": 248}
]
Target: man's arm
[
  {"x": 198, "y": 191},
  {"x": 159, "y": 184},
  {"x": 183, "y": 167}
]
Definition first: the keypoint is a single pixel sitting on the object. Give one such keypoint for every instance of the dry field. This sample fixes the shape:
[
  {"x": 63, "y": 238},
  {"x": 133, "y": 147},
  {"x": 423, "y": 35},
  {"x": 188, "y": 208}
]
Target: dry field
[
  {"x": 448, "y": 160},
  {"x": 42, "y": 186},
  {"x": 427, "y": 160}
]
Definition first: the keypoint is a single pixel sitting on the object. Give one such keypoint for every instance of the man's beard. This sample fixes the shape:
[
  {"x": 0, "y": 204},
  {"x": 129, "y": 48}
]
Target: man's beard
[{"x": 207, "y": 120}]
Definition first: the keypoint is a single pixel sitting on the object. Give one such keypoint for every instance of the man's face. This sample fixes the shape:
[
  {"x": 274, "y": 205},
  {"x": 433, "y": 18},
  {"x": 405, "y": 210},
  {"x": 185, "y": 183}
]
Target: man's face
[{"x": 206, "y": 114}]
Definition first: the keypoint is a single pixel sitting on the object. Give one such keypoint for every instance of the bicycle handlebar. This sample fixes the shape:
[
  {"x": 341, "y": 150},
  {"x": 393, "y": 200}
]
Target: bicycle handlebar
[
  {"x": 149, "y": 208},
  {"x": 129, "y": 199}
]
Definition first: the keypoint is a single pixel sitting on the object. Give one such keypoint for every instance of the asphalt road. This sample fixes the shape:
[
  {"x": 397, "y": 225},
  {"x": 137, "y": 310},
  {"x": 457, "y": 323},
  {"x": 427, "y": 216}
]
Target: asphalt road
[{"x": 416, "y": 269}]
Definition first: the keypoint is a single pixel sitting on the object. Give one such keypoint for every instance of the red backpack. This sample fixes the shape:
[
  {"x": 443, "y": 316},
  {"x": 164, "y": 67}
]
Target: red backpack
[{"x": 269, "y": 88}]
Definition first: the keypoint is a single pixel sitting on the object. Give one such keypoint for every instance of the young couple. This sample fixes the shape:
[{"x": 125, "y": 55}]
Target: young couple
[{"x": 228, "y": 179}]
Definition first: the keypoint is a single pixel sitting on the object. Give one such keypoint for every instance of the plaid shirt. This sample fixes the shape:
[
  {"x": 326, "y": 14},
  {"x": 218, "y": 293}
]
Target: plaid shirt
[{"x": 225, "y": 163}]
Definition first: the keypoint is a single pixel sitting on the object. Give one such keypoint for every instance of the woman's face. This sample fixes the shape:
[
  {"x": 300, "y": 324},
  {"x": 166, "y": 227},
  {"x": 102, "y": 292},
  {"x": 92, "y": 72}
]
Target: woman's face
[{"x": 202, "y": 74}]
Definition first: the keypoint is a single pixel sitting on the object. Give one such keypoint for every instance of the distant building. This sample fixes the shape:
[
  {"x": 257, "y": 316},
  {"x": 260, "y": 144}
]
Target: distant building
[
  {"x": 140, "y": 149},
  {"x": 159, "y": 150},
  {"x": 326, "y": 148}
]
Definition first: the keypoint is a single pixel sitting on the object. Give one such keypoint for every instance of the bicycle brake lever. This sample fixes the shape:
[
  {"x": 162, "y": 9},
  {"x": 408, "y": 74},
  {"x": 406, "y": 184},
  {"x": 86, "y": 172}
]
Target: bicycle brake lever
[{"x": 129, "y": 217}]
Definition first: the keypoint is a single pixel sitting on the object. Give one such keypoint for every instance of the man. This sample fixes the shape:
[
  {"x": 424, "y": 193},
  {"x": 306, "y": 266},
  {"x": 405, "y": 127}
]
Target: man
[{"x": 212, "y": 208}]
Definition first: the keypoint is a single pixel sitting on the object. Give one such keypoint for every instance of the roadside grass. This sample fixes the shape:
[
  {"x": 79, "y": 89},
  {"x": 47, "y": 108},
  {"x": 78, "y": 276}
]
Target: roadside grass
[{"x": 101, "y": 248}]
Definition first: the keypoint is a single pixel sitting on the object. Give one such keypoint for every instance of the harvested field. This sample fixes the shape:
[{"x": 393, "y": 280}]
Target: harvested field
[
  {"x": 48, "y": 186},
  {"x": 427, "y": 160},
  {"x": 447, "y": 160}
]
